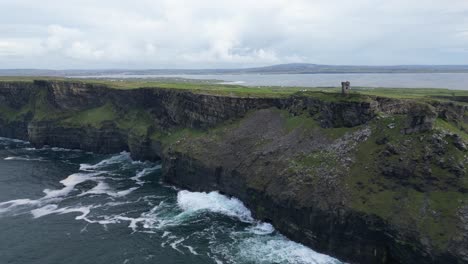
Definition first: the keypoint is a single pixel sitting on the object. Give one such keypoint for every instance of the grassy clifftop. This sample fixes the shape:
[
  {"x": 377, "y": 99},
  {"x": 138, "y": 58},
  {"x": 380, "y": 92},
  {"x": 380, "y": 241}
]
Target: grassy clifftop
[{"x": 211, "y": 87}]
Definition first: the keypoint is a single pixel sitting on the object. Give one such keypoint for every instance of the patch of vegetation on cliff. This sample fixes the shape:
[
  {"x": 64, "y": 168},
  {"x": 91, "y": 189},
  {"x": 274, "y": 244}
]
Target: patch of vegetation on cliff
[
  {"x": 303, "y": 121},
  {"x": 173, "y": 137},
  {"x": 93, "y": 117},
  {"x": 409, "y": 180},
  {"x": 192, "y": 141},
  {"x": 136, "y": 121},
  {"x": 9, "y": 114},
  {"x": 42, "y": 108},
  {"x": 38, "y": 109},
  {"x": 316, "y": 159},
  {"x": 315, "y": 166},
  {"x": 214, "y": 134},
  {"x": 309, "y": 124},
  {"x": 451, "y": 127}
]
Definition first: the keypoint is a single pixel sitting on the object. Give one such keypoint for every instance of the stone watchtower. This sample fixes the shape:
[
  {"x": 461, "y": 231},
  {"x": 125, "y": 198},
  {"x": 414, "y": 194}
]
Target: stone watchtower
[{"x": 345, "y": 87}]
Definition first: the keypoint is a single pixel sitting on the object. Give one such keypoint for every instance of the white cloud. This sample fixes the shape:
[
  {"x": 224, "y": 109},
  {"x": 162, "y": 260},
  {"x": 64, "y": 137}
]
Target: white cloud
[
  {"x": 59, "y": 37},
  {"x": 21, "y": 47},
  {"x": 230, "y": 33}
]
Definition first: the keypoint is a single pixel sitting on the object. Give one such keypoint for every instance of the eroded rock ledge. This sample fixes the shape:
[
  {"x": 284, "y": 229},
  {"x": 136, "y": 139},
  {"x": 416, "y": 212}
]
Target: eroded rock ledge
[{"x": 365, "y": 179}]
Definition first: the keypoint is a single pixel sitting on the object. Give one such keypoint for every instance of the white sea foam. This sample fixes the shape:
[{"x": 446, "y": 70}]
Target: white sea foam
[
  {"x": 123, "y": 156},
  {"x": 55, "y": 149},
  {"x": 70, "y": 182},
  {"x": 123, "y": 192},
  {"x": 54, "y": 196},
  {"x": 176, "y": 243},
  {"x": 65, "y": 150},
  {"x": 104, "y": 188},
  {"x": 259, "y": 243},
  {"x": 214, "y": 202},
  {"x": 278, "y": 250},
  {"x": 191, "y": 249},
  {"x": 111, "y": 204},
  {"x": 14, "y": 204},
  {"x": 13, "y": 140},
  {"x": 143, "y": 173},
  {"x": 18, "y": 202},
  {"x": 256, "y": 243},
  {"x": 157, "y": 217},
  {"x": 100, "y": 188},
  {"x": 23, "y": 158},
  {"x": 261, "y": 229},
  {"x": 45, "y": 210},
  {"x": 53, "y": 209},
  {"x": 147, "y": 220}
]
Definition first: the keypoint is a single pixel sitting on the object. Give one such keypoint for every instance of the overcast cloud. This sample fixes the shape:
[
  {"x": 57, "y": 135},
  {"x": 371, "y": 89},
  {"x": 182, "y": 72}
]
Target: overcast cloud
[{"x": 68, "y": 34}]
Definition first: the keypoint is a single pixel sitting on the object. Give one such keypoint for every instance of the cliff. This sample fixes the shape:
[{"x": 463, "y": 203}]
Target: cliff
[{"x": 366, "y": 179}]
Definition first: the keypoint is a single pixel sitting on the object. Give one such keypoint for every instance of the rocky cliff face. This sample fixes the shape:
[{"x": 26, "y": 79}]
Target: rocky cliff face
[
  {"x": 366, "y": 179},
  {"x": 324, "y": 188}
]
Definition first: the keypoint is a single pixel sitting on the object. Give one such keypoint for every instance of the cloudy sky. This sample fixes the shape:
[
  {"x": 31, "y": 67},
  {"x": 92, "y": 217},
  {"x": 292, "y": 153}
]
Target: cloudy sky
[{"x": 67, "y": 34}]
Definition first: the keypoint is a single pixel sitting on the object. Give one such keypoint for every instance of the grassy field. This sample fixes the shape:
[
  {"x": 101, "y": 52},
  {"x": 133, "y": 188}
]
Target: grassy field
[{"x": 212, "y": 87}]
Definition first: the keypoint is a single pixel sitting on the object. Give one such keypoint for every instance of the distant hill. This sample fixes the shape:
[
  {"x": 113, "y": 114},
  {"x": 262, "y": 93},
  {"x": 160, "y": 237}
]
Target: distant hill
[{"x": 292, "y": 68}]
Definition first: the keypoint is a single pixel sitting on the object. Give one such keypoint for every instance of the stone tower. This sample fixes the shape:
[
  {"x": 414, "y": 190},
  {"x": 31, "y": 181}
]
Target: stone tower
[{"x": 345, "y": 87}]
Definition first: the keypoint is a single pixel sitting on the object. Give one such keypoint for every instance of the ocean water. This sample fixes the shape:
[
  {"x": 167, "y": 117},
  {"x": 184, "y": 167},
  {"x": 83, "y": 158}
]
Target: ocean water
[
  {"x": 70, "y": 206},
  {"x": 458, "y": 81}
]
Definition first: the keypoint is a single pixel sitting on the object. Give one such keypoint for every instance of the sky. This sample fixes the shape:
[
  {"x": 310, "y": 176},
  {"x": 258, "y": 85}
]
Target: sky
[{"x": 141, "y": 34}]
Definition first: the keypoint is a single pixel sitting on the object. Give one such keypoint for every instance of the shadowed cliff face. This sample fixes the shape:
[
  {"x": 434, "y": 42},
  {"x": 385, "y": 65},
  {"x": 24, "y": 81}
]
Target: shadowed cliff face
[{"x": 366, "y": 179}]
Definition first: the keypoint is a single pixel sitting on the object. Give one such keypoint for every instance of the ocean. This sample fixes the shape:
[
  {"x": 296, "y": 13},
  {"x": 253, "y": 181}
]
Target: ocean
[{"x": 70, "y": 206}]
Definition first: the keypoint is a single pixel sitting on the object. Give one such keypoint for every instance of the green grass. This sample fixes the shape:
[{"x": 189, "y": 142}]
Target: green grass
[
  {"x": 93, "y": 117},
  {"x": 299, "y": 121},
  {"x": 442, "y": 124},
  {"x": 308, "y": 124},
  {"x": 137, "y": 121},
  {"x": 11, "y": 114},
  {"x": 181, "y": 140},
  {"x": 410, "y": 93},
  {"x": 323, "y": 159},
  {"x": 38, "y": 106},
  {"x": 42, "y": 108}
]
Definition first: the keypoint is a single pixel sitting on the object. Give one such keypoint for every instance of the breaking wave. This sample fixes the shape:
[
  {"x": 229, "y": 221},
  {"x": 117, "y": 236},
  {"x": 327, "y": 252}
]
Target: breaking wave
[
  {"x": 213, "y": 202},
  {"x": 122, "y": 157},
  {"x": 257, "y": 243}
]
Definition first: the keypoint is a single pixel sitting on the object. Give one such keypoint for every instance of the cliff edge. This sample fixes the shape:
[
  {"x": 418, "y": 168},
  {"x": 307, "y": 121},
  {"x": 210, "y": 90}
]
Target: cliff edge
[{"x": 364, "y": 178}]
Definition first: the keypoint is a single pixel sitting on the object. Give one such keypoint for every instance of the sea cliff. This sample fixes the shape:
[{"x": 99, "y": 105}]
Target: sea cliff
[{"x": 368, "y": 179}]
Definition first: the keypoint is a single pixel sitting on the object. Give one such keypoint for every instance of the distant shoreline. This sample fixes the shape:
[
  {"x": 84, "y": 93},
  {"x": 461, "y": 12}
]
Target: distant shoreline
[{"x": 294, "y": 68}]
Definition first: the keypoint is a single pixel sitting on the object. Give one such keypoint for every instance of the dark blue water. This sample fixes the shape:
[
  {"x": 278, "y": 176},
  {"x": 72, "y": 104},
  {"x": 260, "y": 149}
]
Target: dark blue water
[{"x": 66, "y": 206}]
